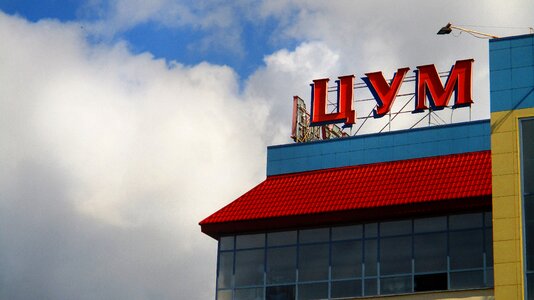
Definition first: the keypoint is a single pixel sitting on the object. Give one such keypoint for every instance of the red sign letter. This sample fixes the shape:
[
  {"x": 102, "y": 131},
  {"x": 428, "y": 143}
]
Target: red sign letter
[
  {"x": 383, "y": 92},
  {"x": 345, "y": 94},
  {"x": 429, "y": 84}
]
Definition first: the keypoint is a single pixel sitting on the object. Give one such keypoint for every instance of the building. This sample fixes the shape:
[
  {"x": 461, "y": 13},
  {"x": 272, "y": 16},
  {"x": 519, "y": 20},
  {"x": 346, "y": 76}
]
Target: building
[{"x": 440, "y": 212}]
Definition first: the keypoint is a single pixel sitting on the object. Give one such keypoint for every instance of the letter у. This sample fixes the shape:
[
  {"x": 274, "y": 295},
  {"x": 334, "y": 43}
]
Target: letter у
[{"x": 383, "y": 92}]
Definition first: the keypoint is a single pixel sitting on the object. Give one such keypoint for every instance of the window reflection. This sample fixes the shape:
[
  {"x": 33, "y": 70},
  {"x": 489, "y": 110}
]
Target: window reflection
[
  {"x": 430, "y": 252},
  {"x": 281, "y": 238},
  {"x": 370, "y": 254},
  {"x": 313, "y": 291},
  {"x": 347, "y": 232},
  {"x": 430, "y": 224},
  {"x": 250, "y": 241},
  {"x": 281, "y": 265},
  {"x": 226, "y": 243},
  {"x": 395, "y": 285},
  {"x": 346, "y": 259},
  {"x": 527, "y": 187},
  {"x": 465, "y": 221},
  {"x": 226, "y": 265},
  {"x": 469, "y": 279},
  {"x": 466, "y": 249},
  {"x": 314, "y": 235},
  {"x": 396, "y": 228},
  {"x": 249, "y": 267},
  {"x": 347, "y": 288},
  {"x": 249, "y": 294},
  {"x": 313, "y": 262},
  {"x": 394, "y": 257}
]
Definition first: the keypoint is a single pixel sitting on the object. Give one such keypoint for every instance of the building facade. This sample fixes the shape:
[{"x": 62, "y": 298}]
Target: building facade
[{"x": 443, "y": 212}]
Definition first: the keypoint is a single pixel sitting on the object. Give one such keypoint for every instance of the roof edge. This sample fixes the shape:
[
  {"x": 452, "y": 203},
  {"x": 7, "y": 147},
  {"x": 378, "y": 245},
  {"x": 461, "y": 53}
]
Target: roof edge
[{"x": 427, "y": 209}]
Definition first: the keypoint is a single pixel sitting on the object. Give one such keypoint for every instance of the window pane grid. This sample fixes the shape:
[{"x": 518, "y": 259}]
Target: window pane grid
[{"x": 370, "y": 258}]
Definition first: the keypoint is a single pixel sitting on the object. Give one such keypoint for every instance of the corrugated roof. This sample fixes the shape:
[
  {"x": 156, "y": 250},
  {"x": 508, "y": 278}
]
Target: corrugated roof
[{"x": 369, "y": 188}]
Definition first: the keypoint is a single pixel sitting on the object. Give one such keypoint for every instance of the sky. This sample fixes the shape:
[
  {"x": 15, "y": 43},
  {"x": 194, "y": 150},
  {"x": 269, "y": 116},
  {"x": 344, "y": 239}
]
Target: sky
[{"x": 125, "y": 123}]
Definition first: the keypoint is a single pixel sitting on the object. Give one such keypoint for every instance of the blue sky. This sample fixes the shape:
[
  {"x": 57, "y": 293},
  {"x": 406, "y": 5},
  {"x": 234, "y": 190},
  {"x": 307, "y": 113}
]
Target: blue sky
[
  {"x": 174, "y": 43},
  {"x": 126, "y": 122}
]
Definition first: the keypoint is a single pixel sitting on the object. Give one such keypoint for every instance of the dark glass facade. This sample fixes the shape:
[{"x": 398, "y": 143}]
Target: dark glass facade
[
  {"x": 450, "y": 252},
  {"x": 527, "y": 178}
]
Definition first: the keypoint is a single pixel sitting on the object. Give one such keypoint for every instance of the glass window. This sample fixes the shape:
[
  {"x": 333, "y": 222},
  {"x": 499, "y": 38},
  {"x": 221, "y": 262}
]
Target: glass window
[
  {"x": 529, "y": 231},
  {"x": 346, "y": 259},
  {"x": 489, "y": 276},
  {"x": 314, "y": 235},
  {"x": 488, "y": 221},
  {"x": 250, "y": 241},
  {"x": 249, "y": 267},
  {"x": 430, "y": 282},
  {"x": 530, "y": 286},
  {"x": 313, "y": 262},
  {"x": 347, "y": 232},
  {"x": 249, "y": 294},
  {"x": 529, "y": 207},
  {"x": 465, "y": 221},
  {"x": 466, "y": 249},
  {"x": 347, "y": 288},
  {"x": 313, "y": 291},
  {"x": 371, "y": 230},
  {"x": 226, "y": 243},
  {"x": 527, "y": 171},
  {"x": 226, "y": 265},
  {"x": 281, "y": 238},
  {"x": 370, "y": 257},
  {"x": 527, "y": 155},
  {"x": 528, "y": 174},
  {"x": 529, "y": 245},
  {"x": 489, "y": 247},
  {"x": 396, "y": 255},
  {"x": 430, "y": 252},
  {"x": 430, "y": 224},
  {"x": 281, "y": 265},
  {"x": 413, "y": 255},
  {"x": 224, "y": 295},
  {"x": 469, "y": 279},
  {"x": 396, "y": 228},
  {"x": 396, "y": 285},
  {"x": 281, "y": 292},
  {"x": 370, "y": 287}
]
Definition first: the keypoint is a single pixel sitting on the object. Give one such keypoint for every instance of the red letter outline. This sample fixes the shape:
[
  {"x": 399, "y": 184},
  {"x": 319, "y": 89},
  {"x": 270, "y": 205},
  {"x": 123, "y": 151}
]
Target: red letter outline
[
  {"x": 428, "y": 84},
  {"x": 383, "y": 92},
  {"x": 345, "y": 94}
]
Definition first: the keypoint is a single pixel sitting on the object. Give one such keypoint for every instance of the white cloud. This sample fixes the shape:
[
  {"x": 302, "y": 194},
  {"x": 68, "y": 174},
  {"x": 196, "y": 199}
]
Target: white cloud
[
  {"x": 108, "y": 162},
  {"x": 287, "y": 73}
]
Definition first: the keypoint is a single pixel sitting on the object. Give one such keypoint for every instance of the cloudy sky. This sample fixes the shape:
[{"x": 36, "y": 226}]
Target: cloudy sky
[{"x": 125, "y": 123}]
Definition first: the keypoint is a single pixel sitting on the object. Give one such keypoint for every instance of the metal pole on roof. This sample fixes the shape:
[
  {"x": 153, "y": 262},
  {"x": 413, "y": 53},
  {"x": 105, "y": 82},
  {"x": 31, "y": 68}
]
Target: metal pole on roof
[{"x": 449, "y": 27}]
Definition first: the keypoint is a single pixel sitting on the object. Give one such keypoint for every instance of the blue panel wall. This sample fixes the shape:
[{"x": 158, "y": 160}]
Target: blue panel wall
[
  {"x": 512, "y": 73},
  {"x": 383, "y": 147}
]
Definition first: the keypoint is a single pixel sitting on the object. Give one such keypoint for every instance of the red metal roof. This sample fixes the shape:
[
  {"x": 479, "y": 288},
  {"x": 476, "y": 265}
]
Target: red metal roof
[{"x": 459, "y": 181}]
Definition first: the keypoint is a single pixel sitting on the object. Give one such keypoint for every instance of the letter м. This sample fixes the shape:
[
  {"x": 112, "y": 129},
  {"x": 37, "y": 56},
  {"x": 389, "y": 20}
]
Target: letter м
[{"x": 428, "y": 84}]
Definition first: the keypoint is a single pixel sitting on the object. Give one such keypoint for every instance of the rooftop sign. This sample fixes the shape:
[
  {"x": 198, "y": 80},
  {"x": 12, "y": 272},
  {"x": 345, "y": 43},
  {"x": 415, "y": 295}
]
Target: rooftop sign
[{"x": 429, "y": 91}]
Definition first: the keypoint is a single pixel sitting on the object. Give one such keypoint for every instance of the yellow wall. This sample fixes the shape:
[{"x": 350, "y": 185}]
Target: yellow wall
[{"x": 507, "y": 216}]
